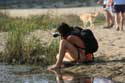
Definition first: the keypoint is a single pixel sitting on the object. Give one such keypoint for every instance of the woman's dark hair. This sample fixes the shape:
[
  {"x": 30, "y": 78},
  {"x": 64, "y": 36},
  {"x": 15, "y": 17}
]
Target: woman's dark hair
[{"x": 64, "y": 29}]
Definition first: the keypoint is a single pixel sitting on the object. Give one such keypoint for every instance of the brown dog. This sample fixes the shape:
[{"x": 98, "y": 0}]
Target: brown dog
[{"x": 88, "y": 18}]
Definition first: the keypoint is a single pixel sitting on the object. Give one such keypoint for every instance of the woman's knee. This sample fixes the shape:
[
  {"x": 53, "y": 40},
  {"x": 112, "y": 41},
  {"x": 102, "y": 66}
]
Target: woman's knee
[{"x": 57, "y": 56}]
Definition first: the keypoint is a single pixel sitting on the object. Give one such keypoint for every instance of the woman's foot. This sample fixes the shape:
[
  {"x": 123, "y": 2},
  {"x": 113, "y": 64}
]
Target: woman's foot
[
  {"x": 111, "y": 25},
  {"x": 106, "y": 27},
  {"x": 121, "y": 28},
  {"x": 117, "y": 28}
]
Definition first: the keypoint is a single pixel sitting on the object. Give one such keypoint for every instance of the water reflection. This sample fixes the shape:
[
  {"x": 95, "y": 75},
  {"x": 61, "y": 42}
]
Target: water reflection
[
  {"x": 24, "y": 74},
  {"x": 31, "y": 74},
  {"x": 72, "y": 78}
]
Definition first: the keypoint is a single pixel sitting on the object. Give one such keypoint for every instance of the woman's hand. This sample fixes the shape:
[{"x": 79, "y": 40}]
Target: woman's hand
[{"x": 53, "y": 67}]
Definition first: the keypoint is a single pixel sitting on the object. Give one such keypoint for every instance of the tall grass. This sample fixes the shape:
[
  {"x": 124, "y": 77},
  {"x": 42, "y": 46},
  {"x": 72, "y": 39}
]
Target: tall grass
[
  {"x": 23, "y": 50},
  {"x": 14, "y": 46},
  {"x": 43, "y": 22}
]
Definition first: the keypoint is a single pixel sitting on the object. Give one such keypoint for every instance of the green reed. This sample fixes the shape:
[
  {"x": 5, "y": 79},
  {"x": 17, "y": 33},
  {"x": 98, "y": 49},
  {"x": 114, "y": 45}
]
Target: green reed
[
  {"x": 20, "y": 49},
  {"x": 34, "y": 22}
]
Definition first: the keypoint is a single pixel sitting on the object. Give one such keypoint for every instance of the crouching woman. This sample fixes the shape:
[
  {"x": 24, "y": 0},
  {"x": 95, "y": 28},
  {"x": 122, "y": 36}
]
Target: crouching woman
[{"x": 71, "y": 48}]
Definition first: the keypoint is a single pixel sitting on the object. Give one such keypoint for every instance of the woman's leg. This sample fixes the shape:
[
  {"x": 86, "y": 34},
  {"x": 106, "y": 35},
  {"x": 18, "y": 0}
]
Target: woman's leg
[
  {"x": 63, "y": 48},
  {"x": 111, "y": 19},
  {"x": 117, "y": 20},
  {"x": 67, "y": 57},
  {"x": 122, "y": 21},
  {"x": 107, "y": 15},
  {"x": 74, "y": 40}
]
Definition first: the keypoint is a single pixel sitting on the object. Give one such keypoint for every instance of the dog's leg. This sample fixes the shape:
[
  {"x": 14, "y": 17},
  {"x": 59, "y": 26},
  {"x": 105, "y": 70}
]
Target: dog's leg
[
  {"x": 85, "y": 24},
  {"x": 91, "y": 23}
]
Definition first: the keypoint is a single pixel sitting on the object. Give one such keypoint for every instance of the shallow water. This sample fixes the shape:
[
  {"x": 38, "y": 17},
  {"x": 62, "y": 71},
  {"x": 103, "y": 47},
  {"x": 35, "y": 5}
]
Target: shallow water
[{"x": 33, "y": 74}]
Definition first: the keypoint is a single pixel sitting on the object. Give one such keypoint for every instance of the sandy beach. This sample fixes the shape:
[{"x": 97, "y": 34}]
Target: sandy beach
[{"x": 110, "y": 57}]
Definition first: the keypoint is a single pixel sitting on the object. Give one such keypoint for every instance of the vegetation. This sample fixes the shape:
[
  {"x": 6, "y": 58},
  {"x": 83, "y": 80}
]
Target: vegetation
[
  {"x": 21, "y": 48},
  {"x": 99, "y": 19}
]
